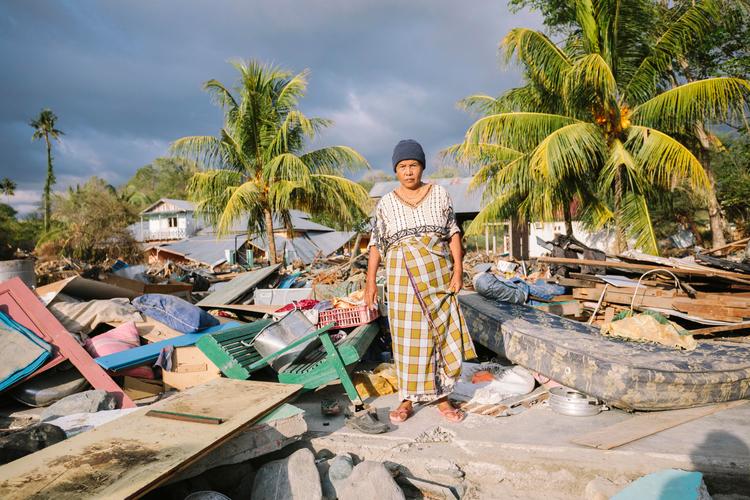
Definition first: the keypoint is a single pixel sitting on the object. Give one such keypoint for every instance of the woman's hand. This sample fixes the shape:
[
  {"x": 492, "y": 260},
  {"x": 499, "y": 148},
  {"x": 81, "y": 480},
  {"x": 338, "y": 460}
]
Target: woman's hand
[
  {"x": 371, "y": 294},
  {"x": 457, "y": 281}
]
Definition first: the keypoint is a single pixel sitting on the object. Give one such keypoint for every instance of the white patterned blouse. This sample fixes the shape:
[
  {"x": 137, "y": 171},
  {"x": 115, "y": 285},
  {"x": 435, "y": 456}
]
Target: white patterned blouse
[{"x": 397, "y": 219}]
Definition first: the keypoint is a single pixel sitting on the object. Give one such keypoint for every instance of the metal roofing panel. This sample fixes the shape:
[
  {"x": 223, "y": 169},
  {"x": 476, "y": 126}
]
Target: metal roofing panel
[
  {"x": 331, "y": 241},
  {"x": 204, "y": 249},
  {"x": 239, "y": 286}
]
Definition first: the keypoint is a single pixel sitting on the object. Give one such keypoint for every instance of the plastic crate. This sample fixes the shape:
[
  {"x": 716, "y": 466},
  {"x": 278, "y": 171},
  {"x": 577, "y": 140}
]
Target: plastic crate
[{"x": 344, "y": 318}]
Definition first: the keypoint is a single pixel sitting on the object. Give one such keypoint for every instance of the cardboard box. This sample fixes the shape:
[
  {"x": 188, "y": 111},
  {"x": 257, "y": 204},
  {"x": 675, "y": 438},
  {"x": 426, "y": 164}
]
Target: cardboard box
[
  {"x": 142, "y": 388},
  {"x": 139, "y": 287},
  {"x": 190, "y": 367}
]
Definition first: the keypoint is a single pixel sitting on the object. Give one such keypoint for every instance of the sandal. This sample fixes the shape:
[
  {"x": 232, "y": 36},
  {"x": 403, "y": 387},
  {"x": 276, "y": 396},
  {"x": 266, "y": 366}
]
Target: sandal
[
  {"x": 401, "y": 414},
  {"x": 452, "y": 414}
]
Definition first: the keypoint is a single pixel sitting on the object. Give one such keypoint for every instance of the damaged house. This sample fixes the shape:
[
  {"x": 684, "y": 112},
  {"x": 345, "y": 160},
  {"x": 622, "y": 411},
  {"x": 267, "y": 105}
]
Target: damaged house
[{"x": 172, "y": 230}]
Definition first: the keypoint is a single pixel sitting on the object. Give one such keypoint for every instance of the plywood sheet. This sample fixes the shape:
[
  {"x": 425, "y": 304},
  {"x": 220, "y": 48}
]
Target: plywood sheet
[{"x": 134, "y": 454}]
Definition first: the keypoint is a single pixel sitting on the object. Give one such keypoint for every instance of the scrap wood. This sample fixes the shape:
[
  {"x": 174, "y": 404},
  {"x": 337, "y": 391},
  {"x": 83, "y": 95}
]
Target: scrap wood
[
  {"x": 715, "y": 273},
  {"x": 711, "y": 330},
  {"x": 20, "y": 303},
  {"x": 737, "y": 243},
  {"x": 641, "y": 426},
  {"x": 134, "y": 454}
]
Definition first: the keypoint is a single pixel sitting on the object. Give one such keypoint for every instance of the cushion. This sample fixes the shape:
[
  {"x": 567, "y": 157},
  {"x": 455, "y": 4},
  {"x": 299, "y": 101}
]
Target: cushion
[
  {"x": 119, "y": 339},
  {"x": 174, "y": 312}
]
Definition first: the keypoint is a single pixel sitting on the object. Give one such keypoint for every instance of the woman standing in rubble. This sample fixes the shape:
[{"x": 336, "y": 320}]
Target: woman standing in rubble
[{"x": 415, "y": 230}]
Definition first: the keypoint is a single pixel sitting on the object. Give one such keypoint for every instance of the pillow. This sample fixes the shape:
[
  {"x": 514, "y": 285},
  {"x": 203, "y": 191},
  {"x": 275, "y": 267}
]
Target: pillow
[
  {"x": 119, "y": 339},
  {"x": 174, "y": 312}
]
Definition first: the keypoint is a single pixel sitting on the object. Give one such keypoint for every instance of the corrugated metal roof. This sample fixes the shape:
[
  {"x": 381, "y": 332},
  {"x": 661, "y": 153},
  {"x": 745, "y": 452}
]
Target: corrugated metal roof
[
  {"x": 331, "y": 241},
  {"x": 464, "y": 201},
  {"x": 300, "y": 222},
  {"x": 205, "y": 249},
  {"x": 180, "y": 205}
]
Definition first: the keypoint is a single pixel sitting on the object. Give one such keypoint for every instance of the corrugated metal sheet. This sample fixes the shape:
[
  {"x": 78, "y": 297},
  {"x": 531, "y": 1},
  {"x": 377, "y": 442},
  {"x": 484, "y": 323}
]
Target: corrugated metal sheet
[
  {"x": 331, "y": 241},
  {"x": 205, "y": 249},
  {"x": 464, "y": 201},
  {"x": 170, "y": 205},
  {"x": 239, "y": 286}
]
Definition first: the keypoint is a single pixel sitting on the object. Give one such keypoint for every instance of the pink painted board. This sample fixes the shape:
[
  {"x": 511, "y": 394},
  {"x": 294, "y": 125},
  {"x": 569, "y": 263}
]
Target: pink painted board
[{"x": 23, "y": 305}]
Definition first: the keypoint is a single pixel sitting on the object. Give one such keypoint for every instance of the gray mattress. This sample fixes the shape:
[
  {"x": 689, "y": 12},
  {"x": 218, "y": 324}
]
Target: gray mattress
[{"x": 624, "y": 374}]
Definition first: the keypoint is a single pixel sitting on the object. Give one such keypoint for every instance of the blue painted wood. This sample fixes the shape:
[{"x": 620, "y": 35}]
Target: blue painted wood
[{"x": 149, "y": 352}]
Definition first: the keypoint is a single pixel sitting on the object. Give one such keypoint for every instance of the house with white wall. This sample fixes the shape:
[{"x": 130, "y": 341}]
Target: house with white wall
[{"x": 166, "y": 220}]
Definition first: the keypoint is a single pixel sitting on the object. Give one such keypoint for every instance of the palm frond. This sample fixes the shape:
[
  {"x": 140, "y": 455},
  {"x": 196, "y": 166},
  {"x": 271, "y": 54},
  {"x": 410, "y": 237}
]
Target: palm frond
[
  {"x": 204, "y": 149},
  {"x": 499, "y": 208},
  {"x": 334, "y": 160},
  {"x": 681, "y": 108},
  {"x": 569, "y": 151},
  {"x": 480, "y": 104},
  {"x": 241, "y": 200},
  {"x": 664, "y": 161},
  {"x": 521, "y": 131},
  {"x": 591, "y": 80},
  {"x": 690, "y": 27},
  {"x": 589, "y": 27},
  {"x": 545, "y": 63},
  {"x": 334, "y": 196},
  {"x": 220, "y": 94},
  {"x": 637, "y": 221},
  {"x": 620, "y": 157},
  {"x": 287, "y": 166}
]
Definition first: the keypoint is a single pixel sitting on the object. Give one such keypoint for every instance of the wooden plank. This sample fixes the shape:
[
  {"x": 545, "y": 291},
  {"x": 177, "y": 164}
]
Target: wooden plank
[
  {"x": 711, "y": 311},
  {"x": 719, "y": 329},
  {"x": 134, "y": 454},
  {"x": 739, "y": 277},
  {"x": 21, "y": 304},
  {"x": 645, "y": 425},
  {"x": 240, "y": 286},
  {"x": 737, "y": 243}
]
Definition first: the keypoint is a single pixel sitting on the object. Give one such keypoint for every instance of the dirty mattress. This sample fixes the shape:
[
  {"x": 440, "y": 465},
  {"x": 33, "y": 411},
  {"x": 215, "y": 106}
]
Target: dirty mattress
[{"x": 624, "y": 374}]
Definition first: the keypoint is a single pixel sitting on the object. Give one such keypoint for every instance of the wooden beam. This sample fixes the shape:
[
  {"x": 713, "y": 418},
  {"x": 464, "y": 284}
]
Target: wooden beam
[
  {"x": 644, "y": 425},
  {"x": 742, "y": 278}
]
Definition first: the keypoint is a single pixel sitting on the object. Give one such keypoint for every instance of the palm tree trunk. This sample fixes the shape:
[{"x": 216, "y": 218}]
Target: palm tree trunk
[
  {"x": 568, "y": 221},
  {"x": 621, "y": 239},
  {"x": 272, "y": 257},
  {"x": 48, "y": 185},
  {"x": 715, "y": 218}
]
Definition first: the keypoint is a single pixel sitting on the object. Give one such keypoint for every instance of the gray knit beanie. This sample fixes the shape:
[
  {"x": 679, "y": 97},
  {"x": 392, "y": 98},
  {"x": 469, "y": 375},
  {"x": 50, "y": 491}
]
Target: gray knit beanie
[{"x": 408, "y": 149}]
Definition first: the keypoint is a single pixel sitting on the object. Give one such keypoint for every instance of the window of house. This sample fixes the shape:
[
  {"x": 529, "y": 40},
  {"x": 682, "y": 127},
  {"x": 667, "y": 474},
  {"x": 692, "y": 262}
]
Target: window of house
[{"x": 172, "y": 221}]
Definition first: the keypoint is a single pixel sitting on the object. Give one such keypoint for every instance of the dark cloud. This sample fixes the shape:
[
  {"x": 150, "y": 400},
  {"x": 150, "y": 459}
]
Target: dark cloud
[{"x": 125, "y": 77}]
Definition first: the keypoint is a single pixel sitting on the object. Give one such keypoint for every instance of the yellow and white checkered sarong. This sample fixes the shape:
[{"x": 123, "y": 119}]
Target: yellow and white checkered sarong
[{"x": 427, "y": 354}]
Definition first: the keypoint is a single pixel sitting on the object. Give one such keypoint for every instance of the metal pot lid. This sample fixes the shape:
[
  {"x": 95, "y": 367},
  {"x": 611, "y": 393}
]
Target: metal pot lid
[{"x": 574, "y": 403}]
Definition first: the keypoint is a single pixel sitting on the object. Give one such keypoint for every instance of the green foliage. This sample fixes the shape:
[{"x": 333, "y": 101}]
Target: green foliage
[
  {"x": 732, "y": 170},
  {"x": 258, "y": 166},
  {"x": 600, "y": 118},
  {"x": 162, "y": 178},
  {"x": 8, "y": 187},
  {"x": 90, "y": 223}
]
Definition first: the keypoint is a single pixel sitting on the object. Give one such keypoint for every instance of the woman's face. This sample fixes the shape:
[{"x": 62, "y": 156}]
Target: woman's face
[{"x": 409, "y": 173}]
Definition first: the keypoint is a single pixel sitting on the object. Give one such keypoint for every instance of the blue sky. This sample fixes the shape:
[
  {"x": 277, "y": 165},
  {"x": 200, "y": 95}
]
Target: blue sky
[{"x": 124, "y": 77}]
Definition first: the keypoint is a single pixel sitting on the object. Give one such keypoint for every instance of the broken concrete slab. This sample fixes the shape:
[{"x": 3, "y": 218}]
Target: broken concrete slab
[
  {"x": 370, "y": 480},
  {"x": 23, "y": 442},
  {"x": 281, "y": 427},
  {"x": 293, "y": 477},
  {"x": 82, "y": 402}
]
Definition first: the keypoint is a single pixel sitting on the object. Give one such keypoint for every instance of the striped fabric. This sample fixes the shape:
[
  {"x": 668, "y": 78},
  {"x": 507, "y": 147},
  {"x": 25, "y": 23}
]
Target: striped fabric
[{"x": 427, "y": 351}]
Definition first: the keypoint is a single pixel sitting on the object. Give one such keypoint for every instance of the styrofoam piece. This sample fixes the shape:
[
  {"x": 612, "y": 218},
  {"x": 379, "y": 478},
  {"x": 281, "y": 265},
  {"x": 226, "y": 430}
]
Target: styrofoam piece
[{"x": 279, "y": 296}]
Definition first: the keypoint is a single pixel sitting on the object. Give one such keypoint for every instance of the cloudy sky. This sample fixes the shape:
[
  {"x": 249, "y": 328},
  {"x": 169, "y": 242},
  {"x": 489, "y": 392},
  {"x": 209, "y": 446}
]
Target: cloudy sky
[{"x": 124, "y": 77}]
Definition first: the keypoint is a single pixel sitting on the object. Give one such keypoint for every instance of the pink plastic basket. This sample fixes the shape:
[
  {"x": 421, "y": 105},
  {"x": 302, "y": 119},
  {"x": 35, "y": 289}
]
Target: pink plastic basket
[{"x": 344, "y": 318}]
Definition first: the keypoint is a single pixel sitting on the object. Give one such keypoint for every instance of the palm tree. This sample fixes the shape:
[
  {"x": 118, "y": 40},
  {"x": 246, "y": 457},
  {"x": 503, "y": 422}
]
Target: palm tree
[
  {"x": 44, "y": 127},
  {"x": 601, "y": 118},
  {"x": 8, "y": 187},
  {"x": 257, "y": 166}
]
